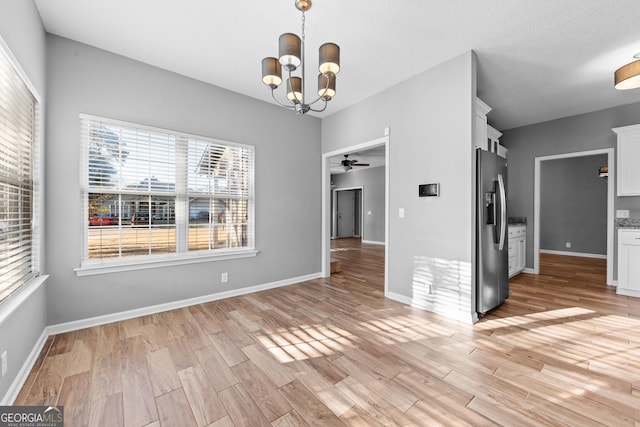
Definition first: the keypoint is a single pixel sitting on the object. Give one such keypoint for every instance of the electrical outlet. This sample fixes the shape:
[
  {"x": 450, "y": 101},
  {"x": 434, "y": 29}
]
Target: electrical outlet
[
  {"x": 224, "y": 277},
  {"x": 568, "y": 244},
  {"x": 4, "y": 363},
  {"x": 622, "y": 213}
]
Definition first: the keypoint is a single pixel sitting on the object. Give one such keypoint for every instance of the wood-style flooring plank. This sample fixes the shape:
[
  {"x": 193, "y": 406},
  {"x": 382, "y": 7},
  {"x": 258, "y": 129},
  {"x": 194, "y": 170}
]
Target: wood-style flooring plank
[
  {"x": 139, "y": 404},
  {"x": 174, "y": 410},
  {"x": 162, "y": 372},
  {"x": 312, "y": 410},
  {"x": 227, "y": 348},
  {"x": 262, "y": 390},
  {"x": 215, "y": 368},
  {"x": 107, "y": 411},
  {"x": 202, "y": 396},
  {"x": 74, "y": 396},
  {"x": 241, "y": 408}
]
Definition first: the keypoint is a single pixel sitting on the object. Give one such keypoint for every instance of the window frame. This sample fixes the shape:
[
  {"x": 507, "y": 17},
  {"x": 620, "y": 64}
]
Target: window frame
[
  {"x": 34, "y": 279},
  {"x": 182, "y": 221}
]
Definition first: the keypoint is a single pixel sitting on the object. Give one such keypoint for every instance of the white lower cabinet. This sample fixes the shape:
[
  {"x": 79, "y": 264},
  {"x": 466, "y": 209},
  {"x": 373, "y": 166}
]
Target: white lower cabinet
[
  {"x": 517, "y": 249},
  {"x": 629, "y": 262}
]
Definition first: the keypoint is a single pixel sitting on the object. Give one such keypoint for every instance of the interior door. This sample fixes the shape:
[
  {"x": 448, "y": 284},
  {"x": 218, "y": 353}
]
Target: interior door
[{"x": 346, "y": 213}]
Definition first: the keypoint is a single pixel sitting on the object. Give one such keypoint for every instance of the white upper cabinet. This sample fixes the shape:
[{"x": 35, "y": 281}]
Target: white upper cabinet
[
  {"x": 480, "y": 125},
  {"x": 627, "y": 160},
  {"x": 493, "y": 140},
  {"x": 485, "y": 136}
]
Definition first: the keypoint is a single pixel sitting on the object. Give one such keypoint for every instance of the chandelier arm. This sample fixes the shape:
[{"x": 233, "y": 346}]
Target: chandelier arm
[
  {"x": 322, "y": 96},
  {"x": 317, "y": 99},
  {"x": 273, "y": 95},
  {"x": 323, "y": 108}
]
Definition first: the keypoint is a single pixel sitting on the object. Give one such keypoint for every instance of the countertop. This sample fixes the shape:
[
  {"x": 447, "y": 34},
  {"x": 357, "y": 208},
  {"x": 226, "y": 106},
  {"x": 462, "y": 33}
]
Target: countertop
[
  {"x": 628, "y": 223},
  {"x": 516, "y": 221}
]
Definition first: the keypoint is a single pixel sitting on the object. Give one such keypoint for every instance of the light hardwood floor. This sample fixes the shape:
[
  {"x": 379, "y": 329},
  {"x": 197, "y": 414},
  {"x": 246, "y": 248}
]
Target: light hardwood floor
[{"x": 562, "y": 350}]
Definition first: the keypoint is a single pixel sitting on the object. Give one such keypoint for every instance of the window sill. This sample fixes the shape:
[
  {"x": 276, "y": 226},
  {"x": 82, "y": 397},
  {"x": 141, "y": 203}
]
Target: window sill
[
  {"x": 140, "y": 263},
  {"x": 11, "y": 303}
]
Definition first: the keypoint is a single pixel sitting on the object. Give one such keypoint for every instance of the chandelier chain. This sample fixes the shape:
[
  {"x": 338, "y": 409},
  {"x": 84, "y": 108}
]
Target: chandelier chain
[{"x": 302, "y": 54}]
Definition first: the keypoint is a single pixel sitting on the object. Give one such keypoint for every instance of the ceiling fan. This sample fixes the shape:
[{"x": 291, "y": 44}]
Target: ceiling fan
[{"x": 347, "y": 164}]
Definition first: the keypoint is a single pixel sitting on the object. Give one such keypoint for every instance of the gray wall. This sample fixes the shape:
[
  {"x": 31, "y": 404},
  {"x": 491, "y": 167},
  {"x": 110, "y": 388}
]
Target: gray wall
[
  {"x": 83, "y": 79},
  {"x": 22, "y": 31},
  {"x": 430, "y": 117},
  {"x": 372, "y": 181},
  {"x": 573, "y": 205},
  {"x": 571, "y": 134}
]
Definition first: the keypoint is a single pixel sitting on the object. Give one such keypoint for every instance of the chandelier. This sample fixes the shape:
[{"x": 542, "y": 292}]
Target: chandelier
[{"x": 291, "y": 57}]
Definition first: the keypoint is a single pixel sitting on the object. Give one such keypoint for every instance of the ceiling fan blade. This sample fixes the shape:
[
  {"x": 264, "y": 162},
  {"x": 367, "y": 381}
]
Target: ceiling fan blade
[{"x": 360, "y": 164}]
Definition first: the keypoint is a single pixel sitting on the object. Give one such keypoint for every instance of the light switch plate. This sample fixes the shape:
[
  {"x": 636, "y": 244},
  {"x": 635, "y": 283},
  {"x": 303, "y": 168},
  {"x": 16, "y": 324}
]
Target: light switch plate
[
  {"x": 622, "y": 213},
  {"x": 401, "y": 213}
]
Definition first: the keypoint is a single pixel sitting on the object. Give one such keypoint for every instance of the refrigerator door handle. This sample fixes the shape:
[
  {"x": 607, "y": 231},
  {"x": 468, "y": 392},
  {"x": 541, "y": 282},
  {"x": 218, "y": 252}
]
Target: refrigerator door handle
[{"x": 503, "y": 212}]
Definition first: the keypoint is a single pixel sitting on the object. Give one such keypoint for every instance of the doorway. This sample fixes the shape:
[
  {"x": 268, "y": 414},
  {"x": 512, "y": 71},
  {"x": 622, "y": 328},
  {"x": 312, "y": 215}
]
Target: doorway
[
  {"x": 347, "y": 213},
  {"x": 610, "y": 214},
  {"x": 327, "y": 195}
]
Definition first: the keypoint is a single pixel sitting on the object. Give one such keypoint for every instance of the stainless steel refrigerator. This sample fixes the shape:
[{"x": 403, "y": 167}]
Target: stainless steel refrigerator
[{"x": 492, "y": 271}]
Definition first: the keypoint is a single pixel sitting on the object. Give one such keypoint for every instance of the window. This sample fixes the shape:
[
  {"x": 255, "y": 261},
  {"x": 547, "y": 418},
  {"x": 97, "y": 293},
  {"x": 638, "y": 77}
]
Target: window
[
  {"x": 18, "y": 248},
  {"x": 153, "y": 194}
]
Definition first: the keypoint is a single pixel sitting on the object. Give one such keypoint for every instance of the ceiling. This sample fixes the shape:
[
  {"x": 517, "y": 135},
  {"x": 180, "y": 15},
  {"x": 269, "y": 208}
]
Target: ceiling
[{"x": 537, "y": 59}]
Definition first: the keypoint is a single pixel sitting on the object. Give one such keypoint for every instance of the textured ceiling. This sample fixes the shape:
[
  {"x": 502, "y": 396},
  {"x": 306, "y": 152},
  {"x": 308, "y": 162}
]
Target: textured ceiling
[{"x": 537, "y": 60}]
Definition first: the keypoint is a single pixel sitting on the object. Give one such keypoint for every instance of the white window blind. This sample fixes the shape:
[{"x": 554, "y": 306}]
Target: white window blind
[
  {"x": 17, "y": 141},
  {"x": 153, "y": 192}
]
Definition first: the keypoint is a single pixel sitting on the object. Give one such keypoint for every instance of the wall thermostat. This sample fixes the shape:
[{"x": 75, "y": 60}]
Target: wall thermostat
[{"x": 429, "y": 190}]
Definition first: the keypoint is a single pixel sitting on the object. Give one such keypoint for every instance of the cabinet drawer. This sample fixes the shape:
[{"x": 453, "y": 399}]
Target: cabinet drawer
[
  {"x": 517, "y": 231},
  {"x": 629, "y": 237},
  {"x": 629, "y": 262}
]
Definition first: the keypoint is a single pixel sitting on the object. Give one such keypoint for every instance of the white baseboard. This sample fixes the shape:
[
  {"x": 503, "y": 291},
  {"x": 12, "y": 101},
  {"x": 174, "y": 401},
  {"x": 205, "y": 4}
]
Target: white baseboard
[
  {"x": 373, "y": 242},
  {"x": 17, "y": 384},
  {"x": 528, "y": 270},
  {"x": 628, "y": 292},
  {"x": 462, "y": 317},
  {"x": 144, "y": 311},
  {"x": 398, "y": 297},
  {"x": 13, "y": 391},
  {"x": 567, "y": 253}
]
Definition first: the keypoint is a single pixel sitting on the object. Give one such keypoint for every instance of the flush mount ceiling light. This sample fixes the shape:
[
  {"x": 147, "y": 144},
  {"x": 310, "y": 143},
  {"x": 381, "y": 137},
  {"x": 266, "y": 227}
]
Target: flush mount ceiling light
[
  {"x": 291, "y": 57},
  {"x": 628, "y": 76},
  {"x": 603, "y": 172}
]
